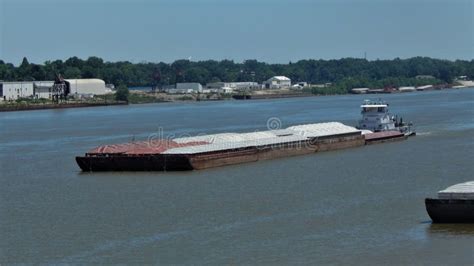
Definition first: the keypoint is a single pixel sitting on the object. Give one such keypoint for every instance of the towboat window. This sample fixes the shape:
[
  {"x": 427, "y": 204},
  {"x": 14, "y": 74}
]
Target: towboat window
[
  {"x": 380, "y": 109},
  {"x": 368, "y": 109}
]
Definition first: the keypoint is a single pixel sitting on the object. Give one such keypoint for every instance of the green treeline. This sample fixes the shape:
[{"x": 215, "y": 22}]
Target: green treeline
[{"x": 342, "y": 73}]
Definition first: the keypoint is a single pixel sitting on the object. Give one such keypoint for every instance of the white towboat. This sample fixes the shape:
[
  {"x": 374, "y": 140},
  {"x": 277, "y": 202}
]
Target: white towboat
[{"x": 376, "y": 118}]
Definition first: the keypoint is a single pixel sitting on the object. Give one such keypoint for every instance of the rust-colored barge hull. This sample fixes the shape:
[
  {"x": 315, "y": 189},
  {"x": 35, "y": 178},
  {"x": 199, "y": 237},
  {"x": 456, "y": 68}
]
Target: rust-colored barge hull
[
  {"x": 183, "y": 162},
  {"x": 384, "y": 136},
  {"x": 216, "y": 159}
]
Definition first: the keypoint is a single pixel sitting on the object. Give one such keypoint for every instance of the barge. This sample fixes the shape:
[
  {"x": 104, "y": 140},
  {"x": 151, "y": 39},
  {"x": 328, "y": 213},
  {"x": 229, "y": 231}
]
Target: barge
[
  {"x": 200, "y": 152},
  {"x": 207, "y": 151},
  {"x": 454, "y": 204}
]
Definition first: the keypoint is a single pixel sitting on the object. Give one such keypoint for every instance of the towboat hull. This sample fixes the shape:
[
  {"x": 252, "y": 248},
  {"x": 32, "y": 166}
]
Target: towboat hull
[{"x": 450, "y": 210}]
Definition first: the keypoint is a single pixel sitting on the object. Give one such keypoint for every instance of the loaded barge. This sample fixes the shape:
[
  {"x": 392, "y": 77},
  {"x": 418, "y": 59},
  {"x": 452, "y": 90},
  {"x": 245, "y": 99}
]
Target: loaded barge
[
  {"x": 454, "y": 204},
  {"x": 208, "y": 151},
  {"x": 201, "y": 152}
]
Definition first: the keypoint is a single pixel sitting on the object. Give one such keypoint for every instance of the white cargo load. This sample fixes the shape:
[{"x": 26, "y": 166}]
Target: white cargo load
[
  {"x": 227, "y": 141},
  {"x": 458, "y": 191}
]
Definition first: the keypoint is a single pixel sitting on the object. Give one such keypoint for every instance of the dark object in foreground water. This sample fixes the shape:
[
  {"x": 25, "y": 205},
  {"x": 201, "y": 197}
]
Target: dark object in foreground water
[
  {"x": 455, "y": 204},
  {"x": 450, "y": 210}
]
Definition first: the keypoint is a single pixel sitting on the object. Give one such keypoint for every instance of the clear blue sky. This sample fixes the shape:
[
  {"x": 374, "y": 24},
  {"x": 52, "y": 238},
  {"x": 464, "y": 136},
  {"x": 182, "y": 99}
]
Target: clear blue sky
[{"x": 267, "y": 30}]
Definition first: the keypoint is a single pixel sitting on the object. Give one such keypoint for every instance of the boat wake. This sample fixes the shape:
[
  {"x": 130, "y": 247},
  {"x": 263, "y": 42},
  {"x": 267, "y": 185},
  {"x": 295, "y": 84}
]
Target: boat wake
[{"x": 424, "y": 133}]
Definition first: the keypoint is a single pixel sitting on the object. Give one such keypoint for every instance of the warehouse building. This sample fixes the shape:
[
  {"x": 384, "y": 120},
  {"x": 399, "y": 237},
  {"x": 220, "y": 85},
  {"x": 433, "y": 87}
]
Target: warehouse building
[
  {"x": 86, "y": 86},
  {"x": 277, "y": 82},
  {"x": 10, "y": 91}
]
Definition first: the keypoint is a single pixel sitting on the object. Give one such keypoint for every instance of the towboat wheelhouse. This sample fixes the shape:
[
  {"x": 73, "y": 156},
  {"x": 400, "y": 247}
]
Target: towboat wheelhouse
[{"x": 375, "y": 117}]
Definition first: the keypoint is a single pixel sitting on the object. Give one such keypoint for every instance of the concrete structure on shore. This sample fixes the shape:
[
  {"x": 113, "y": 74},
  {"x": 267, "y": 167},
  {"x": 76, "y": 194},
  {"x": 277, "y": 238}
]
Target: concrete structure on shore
[
  {"x": 406, "y": 89},
  {"x": 423, "y": 88},
  {"x": 360, "y": 90},
  {"x": 277, "y": 82}
]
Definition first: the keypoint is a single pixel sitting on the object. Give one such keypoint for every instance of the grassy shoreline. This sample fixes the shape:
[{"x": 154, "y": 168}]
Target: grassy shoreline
[{"x": 45, "y": 106}]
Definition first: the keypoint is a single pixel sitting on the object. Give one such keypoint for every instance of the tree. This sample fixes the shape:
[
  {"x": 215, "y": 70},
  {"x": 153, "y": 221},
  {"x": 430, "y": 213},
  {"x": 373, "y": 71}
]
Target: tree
[
  {"x": 24, "y": 71},
  {"x": 94, "y": 62},
  {"x": 37, "y": 72},
  {"x": 122, "y": 93},
  {"x": 347, "y": 71},
  {"x": 445, "y": 74},
  {"x": 74, "y": 62},
  {"x": 72, "y": 73},
  {"x": 24, "y": 63}
]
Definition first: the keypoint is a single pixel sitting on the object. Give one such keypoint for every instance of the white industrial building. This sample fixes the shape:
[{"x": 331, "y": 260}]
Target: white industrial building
[
  {"x": 43, "y": 89},
  {"x": 277, "y": 82},
  {"x": 230, "y": 86},
  {"x": 87, "y": 87},
  {"x": 10, "y": 91},
  {"x": 77, "y": 88},
  {"x": 183, "y": 88}
]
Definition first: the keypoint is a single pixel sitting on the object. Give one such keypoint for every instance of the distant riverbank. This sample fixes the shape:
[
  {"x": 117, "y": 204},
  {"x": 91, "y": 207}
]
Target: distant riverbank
[{"x": 143, "y": 97}]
